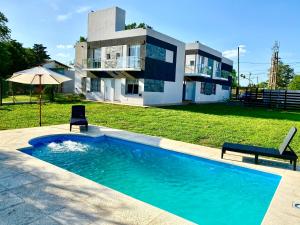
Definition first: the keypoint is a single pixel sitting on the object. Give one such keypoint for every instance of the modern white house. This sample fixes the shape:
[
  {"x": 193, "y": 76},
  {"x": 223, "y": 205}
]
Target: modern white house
[
  {"x": 207, "y": 75},
  {"x": 145, "y": 67},
  {"x": 136, "y": 67}
]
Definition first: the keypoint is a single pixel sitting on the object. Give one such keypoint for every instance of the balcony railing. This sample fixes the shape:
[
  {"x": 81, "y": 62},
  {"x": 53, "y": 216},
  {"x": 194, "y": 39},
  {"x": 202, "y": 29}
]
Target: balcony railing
[
  {"x": 225, "y": 74},
  {"x": 198, "y": 70},
  {"x": 127, "y": 62}
]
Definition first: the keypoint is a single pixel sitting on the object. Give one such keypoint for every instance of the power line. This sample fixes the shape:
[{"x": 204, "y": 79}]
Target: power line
[{"x": 265, "y": 63}]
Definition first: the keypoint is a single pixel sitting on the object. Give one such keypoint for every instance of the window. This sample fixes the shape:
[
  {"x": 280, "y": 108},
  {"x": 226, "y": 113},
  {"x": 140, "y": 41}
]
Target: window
[
  {"x": 132, "y": 87},
  {"x": 208, "y": 88},
  {"x": 153, "y": 85},
  {"x": 97, "y": 53},
  {"x": 155, "y": 52},
  {"x": 192, "y": 63},
  {"x": 210, "y": 65},
  {"x": 107, "y": 56},
  {"x": 118, "y": 55},
  {"x": 95, "y": 85},
  {"x": 134, "y": 56},
  {"x": 169, "y": 56},
  {"x": 83, "y": 84},
  {"x": 217, "y": 69}
]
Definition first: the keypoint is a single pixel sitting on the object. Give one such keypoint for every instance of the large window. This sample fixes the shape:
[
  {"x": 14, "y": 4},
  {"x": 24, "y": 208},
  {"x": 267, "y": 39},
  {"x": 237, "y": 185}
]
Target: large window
[
  {"x": 134, "y": 56},
  {"x": 132, "y": 87},
  {"x": 155, "y": 52},
  {"x": 94, "y": 58},
  {"x": 208, "y": 88},
  {"x": 95, "y": 85},
  {"x": 217, "y": 69},
  {"x": 153, "y": 85}
]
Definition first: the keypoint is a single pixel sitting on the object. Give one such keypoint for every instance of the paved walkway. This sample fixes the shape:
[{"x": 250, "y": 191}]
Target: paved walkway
[{"x": 36, "y": 192}]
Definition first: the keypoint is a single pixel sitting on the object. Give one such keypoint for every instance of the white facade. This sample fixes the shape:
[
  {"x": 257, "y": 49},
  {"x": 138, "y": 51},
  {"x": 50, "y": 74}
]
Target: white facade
[
  {"x": 109, "y": 25},
  {"x": 193, "y": 93},
  {"x": 204, "y": 68}
]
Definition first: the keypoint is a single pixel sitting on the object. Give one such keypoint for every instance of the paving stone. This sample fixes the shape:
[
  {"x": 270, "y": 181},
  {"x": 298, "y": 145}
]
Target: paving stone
[
  {"x": 42, "y": 195},
  {"x": 45, "y": 221},
  {"x": 2, "y": 188},
  {"x": 18, "y": 180},
  {"x": 20, "y": 215},
  {"x": 75, "y": 216},
  {"x": 8, "y": 199},
  {"x": 6, "y": 171}
]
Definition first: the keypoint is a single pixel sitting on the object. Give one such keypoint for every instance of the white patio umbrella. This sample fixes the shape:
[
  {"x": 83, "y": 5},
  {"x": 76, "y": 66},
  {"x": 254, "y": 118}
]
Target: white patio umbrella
[{"x": 38, "y": 76}]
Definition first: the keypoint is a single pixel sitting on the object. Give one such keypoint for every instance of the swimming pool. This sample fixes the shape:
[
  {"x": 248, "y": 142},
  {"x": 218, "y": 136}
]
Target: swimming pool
[{"x": 200, "y": 190}]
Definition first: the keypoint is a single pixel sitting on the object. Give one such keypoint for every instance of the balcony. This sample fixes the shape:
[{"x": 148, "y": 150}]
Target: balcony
[
  {"x": 198, "y": 70},
  {"x": 127, "y": 63}
]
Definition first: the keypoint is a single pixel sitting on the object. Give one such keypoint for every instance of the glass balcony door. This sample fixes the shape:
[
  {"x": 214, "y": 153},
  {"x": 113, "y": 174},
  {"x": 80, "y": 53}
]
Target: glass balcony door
[{"x": 134, "y": 52}]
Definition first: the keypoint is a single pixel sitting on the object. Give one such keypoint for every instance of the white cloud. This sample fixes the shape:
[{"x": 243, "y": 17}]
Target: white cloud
[
  {"x": 64, "y": 17},
  {"x": 61, "y": 46},
  {"x": 69, "y": 15},
  {"x": 63, "y": 55},
  {"x": 83, "y": 9},
  {"x": 233, "y": 53}
]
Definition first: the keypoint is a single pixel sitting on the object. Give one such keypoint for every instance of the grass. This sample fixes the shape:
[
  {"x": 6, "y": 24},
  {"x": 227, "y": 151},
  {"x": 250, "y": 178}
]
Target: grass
[
  {"x": 21, "y": 98},
  {"x": 208, "y": 124}
]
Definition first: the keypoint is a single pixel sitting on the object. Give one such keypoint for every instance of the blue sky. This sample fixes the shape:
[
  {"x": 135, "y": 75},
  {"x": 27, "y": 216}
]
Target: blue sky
[{"x": 220, "y": 24}]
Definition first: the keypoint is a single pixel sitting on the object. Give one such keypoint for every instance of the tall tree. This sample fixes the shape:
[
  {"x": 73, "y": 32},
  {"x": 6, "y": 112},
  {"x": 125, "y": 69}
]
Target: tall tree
[
  {"x": 40, "y": 53},
  {"x": 285, "y": 75},
  {"x": 4, "y": 54},
  {"x": 234, "y": 78},
  {"x": 4, "y": 30},
  {"x": 295, "y": 83}
]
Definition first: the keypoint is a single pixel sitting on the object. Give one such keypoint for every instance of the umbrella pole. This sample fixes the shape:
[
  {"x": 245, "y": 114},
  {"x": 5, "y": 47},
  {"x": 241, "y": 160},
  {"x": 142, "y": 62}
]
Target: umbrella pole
[{"x": 40, "y": 86}]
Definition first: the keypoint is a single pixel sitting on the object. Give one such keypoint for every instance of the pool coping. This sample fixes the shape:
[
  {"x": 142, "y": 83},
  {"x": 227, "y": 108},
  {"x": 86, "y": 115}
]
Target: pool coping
[{"x": 280, "y": 210}]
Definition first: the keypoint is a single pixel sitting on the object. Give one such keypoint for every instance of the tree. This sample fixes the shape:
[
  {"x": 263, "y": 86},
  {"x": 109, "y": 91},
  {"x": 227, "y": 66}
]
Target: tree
[
  {"x": 82, "y": 39},
  {"x": 285, "y": 75},
  {"x": 4, "y": 30},
  {"x": 295, "y": 83},
  {"x": 234, "y": 79},
  {"x": 263, "y": 84},
  {"x": 135, "y": 26},
  {"x": 4, "y": 54},
  {"x": 40, "y": 54}
]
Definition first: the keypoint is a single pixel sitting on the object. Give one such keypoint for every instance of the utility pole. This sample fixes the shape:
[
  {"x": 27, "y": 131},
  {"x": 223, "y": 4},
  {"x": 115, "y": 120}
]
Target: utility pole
[
  {"x": 238, "y": 75},
  {"x": 274, "y": 66}
]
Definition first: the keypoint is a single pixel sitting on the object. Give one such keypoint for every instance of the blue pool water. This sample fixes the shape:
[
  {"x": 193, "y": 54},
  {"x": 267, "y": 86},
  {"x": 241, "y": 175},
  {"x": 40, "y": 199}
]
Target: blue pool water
[{"x": 197, "y": 189}]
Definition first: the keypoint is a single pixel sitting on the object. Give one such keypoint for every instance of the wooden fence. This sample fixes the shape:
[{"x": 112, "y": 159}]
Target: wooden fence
[{"x": 281, "y": 99}]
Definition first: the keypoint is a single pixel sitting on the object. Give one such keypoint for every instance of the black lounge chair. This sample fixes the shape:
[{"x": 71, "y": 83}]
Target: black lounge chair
[
  {"x": 284, "y": 152},
  {"x": 78, "y": 116}
]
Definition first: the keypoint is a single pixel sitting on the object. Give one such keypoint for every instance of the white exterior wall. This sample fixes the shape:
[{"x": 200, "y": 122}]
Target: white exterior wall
[
  {"x": 220, "y": 96},
  {"x": 105, "y": 22},
  {"x": 172, "y": 90},
  {"x": 69, "y": 86},
  {"x": 109, "y": 24},
  {"x": 115, "y": 87}
]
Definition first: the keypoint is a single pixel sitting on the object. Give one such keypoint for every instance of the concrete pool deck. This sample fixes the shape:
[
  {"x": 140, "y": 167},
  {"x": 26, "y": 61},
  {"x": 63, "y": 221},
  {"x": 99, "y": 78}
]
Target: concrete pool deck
[{"x": 36, "y": 192}]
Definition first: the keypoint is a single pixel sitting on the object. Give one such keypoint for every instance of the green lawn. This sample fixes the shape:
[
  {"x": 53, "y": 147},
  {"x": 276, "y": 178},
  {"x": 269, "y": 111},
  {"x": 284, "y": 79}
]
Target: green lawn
[
  {"x": 209, "y": 124},
  {"x": 20, "y": 98}
]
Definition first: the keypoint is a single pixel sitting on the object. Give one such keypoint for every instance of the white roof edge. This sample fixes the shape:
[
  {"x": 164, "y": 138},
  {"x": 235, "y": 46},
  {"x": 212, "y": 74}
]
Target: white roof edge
[
  {"x": 156, "y": 34},
  {"x": 227, "y": 61},
  {"x": 203, "y": 47}
]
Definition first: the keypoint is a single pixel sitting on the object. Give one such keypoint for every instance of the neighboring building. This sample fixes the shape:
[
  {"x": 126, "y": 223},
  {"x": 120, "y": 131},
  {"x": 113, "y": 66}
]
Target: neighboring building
[
  {"x": 207, "y": 74},
  {"x": 137, "y": 67},
  {"x": 67, "y": 87}
]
